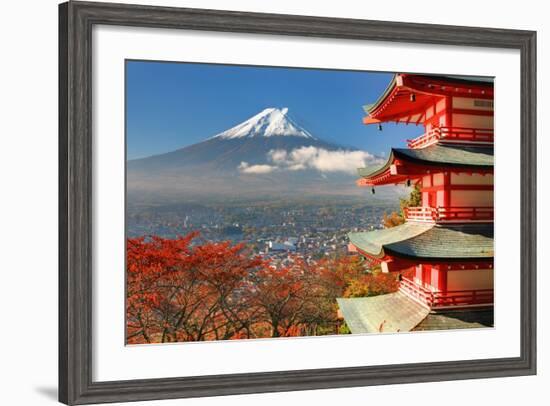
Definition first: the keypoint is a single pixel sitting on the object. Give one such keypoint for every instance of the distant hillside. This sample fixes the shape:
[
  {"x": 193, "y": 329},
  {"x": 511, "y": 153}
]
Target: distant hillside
[{"x": 268, "y": 155}]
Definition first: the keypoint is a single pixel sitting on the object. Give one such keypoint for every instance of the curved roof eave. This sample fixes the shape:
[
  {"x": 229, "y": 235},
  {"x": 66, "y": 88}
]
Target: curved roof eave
[
  {"x": 373, "y": 172},
  {"x": 473, "y": 80},
  {"x": 428, "y": 241},
  {"x": 436, "y": 155},
  {"x": 369, "y": 108},
  {"x": 374, "y": 242}
]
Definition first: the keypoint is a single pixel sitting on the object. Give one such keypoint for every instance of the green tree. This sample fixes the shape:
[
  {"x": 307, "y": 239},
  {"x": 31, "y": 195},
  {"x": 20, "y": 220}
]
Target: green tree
[
  {"x": 344, "y": 329},
  {"x": 414, "y": 200}
]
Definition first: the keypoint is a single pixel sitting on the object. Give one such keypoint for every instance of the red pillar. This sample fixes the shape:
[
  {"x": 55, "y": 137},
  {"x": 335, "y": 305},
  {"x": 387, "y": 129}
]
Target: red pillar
[{"x": 447, "y": 189}]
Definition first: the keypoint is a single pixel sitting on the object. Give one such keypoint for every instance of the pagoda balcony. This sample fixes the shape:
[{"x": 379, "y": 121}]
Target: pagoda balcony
[
  {"x": 448, "y": 299},
  {"x": 449, "y": 214},
  {"x": 453, "y": 135}
]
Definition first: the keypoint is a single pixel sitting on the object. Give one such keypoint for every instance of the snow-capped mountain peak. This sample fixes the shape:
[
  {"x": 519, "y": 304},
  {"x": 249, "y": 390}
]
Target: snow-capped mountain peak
[{"x": 268, "y": 123}]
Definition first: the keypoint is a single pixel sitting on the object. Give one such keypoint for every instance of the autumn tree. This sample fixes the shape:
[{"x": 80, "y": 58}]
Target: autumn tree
[
  {"x": 186, "y": 289},
  {"x": 372, "y": 284},
  {"x": 180, "y": 292},
  {"x": 392, "y": 220},
  {"x": 282, "y": 294},
  {"x": 414, "y": 200}
]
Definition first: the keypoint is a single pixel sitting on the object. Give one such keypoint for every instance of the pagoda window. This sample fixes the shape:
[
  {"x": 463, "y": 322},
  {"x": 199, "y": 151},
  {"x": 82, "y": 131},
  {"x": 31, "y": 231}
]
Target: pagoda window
[
  {"x": 473, "y": 121},
  {"x": 476, "y": 190},
  {"x": 471, "y": 179},
  {"x": 472, "y": 198},
  {"x": 467, "y": 103},
  {"x": 469, "y": 279}
]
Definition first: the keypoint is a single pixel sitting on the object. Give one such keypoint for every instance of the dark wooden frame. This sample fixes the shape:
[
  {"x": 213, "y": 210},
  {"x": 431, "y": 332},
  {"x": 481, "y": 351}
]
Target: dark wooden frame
[{"x": 75, "y": 178}]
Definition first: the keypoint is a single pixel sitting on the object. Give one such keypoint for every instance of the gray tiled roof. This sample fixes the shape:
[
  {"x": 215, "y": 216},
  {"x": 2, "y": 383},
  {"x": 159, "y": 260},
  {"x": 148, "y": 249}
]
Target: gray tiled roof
[
  {"x": 449, "y": 155},
  {"x": 388, "y": 313},
  {"x": 395, "y": 312},
  {"x": 421, "y": 240},
  {"x": 371, "y": 169},
  {"x": 457, "y": 319},
  {"x": 374, "y": 242},
  {"x": 472, "y": 79},
  {"x": 438, "y": 155}
]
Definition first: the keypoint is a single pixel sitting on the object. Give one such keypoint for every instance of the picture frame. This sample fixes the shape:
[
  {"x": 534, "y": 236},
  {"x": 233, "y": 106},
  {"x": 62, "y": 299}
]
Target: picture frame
[{"x": 76, "y": 384}]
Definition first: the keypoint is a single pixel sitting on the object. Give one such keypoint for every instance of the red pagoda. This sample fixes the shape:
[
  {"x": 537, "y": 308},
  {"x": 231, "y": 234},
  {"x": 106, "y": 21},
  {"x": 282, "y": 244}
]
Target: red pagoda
[{"x": 444, "y": 250}]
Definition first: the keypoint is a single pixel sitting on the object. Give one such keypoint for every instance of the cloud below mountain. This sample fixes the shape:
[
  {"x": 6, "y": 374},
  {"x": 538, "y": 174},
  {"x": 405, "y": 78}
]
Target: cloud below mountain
[
  {"x": 267, "y": 156},
  {"x": 311, "y": 157},
  {"x": 244, "y": 167}
]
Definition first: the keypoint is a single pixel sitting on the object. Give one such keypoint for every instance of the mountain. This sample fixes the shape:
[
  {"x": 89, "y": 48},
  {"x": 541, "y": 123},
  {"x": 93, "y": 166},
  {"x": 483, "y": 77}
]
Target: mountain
[
  {"x": 271, "y": 122},
  {"x": 267, "y": 156}
]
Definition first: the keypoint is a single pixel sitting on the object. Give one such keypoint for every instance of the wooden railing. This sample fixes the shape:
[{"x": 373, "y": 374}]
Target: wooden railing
[
  {"x": 415, "y": 291},
  {"x": 425, "y": 140},
  {"x": 446, "y": 299},
  {"x": 449, "y": 214},
  {"x": 463, "y": 297},
  {"x": 461, "y": 135}
]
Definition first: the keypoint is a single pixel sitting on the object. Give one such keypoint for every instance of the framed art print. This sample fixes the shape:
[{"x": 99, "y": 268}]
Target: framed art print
[{"x": 257, "y": 202}]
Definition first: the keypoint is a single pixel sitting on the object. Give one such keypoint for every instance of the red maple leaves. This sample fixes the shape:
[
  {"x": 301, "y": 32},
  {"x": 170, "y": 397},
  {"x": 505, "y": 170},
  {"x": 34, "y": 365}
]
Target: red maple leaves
[{"x": 178, "y": 290}]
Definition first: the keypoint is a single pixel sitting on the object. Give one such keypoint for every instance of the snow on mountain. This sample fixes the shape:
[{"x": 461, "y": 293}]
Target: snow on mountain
[
  {"x": 268, "y": 123},
  {"x": 268, "y": 155}
]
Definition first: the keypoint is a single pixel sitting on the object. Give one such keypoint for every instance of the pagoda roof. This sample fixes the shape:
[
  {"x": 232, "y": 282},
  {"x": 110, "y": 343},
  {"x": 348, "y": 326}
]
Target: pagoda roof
[
  {"x": 396, "y": 312},
  {"x": 457, "y": 319},
  {"x": 395, "y": 104},
  {"x": 388, "y": 313},
  {"x": 434, "y": 156},
  {"x": 448, "y": 155},
  {"x": 373, "y": 242},
  {"x": 428, "y": 241}
]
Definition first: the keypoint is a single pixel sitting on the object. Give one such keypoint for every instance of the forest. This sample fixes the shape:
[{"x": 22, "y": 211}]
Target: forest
[{"x": 190, "y": 289}]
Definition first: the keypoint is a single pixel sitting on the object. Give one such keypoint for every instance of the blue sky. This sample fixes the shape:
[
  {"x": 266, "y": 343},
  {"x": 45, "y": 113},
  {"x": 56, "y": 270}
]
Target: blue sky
[{"x": 172, "y": 105}]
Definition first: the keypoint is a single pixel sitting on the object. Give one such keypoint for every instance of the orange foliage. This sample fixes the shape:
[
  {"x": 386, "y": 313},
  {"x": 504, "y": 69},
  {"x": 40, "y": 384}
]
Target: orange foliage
[
  {"x": 392, "y": 220},
  {"x": 373, "y": 284},
  {"x": 179, "y": 290}
]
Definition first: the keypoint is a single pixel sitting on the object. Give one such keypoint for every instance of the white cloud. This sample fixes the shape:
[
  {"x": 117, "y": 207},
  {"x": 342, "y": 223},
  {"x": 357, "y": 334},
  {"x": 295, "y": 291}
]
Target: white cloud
[
  {"x": 277, "y": 155},
  {"x": 296, "y": 167},
  {"x": 244, "y": 167},
  {"x": 313, "y": 158}
]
